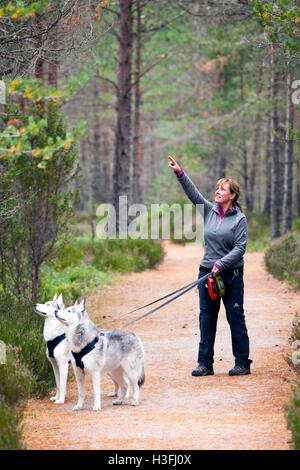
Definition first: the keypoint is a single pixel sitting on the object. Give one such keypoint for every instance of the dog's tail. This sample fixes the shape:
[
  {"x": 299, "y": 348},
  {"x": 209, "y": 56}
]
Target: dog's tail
[{"x": 142, "y": 377}]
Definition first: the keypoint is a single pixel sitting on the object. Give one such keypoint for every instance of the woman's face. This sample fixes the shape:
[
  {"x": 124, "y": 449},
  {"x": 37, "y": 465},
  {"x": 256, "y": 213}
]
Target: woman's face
[{"x": 223, "y": 194}]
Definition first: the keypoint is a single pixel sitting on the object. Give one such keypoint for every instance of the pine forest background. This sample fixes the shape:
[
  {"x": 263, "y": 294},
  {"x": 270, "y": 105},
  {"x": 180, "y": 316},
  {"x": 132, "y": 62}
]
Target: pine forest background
[
  {"x": 98, "y": 94},
  {"x": 94, "y": 96}
]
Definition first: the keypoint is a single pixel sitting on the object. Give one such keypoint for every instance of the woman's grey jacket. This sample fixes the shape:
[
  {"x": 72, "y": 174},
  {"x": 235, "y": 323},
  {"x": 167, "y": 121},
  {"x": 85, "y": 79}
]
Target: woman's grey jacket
[{"x": 225, "y": 235}]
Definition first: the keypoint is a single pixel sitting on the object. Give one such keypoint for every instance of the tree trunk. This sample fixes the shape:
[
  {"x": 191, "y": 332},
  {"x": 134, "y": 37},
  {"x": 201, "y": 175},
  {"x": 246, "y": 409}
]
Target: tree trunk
[
  {"x": 288, "y": 160},
  {"x": 298, "y": 188},
  {"x": 274, "y": 147},
  {"x": 123, "y": 124},
  {"x": 106, "y": 150},
  {"x": 85, "y": 175},
  {"x": 220, "y": 163},
  {"x": 244, "y": 144},
  {"x": 254, "y": 163},
  {"x": 255, "y": 151},
  {"x": 245, "y": 166},
  {"x": 52, "y": 70},
  {"x": 39, "y": 68},
  {"x": 267, "y": 204},
  {"x": 98, "y": 182},
  {"x": 136, "y": 183}
]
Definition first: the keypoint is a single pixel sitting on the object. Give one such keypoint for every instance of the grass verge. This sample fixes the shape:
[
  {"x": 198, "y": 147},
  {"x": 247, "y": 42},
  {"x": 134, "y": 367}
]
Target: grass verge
[
  {"x": 75, "y": 268},
  {"x": 282, "y": 259},
  {"x": 292, "y": 410},
  {"x": 26, "y": 370}
]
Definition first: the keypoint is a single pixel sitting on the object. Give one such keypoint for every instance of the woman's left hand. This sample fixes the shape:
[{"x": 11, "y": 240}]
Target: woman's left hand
[{"x": 215, "y": 270}]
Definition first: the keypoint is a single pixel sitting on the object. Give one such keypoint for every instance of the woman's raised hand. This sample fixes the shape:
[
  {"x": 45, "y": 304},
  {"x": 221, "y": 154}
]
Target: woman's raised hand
[{"x": 174, "y": 165}]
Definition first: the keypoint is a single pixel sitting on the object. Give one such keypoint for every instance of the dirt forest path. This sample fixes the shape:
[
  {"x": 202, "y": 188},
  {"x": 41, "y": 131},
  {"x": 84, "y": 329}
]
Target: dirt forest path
[{"x": 178, "y": 411}]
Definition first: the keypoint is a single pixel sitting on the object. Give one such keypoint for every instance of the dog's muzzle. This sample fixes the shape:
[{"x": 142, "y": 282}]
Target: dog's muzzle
[
  {"x": 56, "y": 316},
  {"x": 38, "y": 311}
]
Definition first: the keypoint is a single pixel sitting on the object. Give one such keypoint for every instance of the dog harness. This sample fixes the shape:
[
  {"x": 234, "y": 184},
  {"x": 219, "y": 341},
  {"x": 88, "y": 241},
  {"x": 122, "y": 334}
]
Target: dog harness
[
  {"x": 88, "y": 348},
  {"x": 51, "y": 345}
]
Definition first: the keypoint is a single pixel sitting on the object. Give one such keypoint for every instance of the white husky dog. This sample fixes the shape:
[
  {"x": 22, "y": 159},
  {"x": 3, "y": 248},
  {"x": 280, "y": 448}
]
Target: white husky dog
[
  {"x": 58, "y": 351},
  {"x": 117, "y": 353}
]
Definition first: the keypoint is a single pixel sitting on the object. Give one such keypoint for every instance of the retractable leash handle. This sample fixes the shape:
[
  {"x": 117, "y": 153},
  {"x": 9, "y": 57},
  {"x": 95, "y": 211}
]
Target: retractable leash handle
[
  {"x": 215, "y": 286},
  {"x": 212, "y": 287},
  {"x": 220, "y": 286}
]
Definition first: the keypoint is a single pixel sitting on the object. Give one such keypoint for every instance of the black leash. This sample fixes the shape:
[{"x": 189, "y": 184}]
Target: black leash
[
  {"x": 90, "y": 346},
  {"x": 191, "y": 285},
  {"x": 187, "y": 288},
  {"x": 151, "y": 303}
]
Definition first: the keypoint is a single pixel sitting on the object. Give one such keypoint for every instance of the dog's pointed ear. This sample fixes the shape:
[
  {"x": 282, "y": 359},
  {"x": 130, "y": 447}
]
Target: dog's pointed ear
[
  {"x": 55, "y": 297},
  {"x": 76, "y": 303},
  {"x": 81, "y": 306},
  {"x": 60, "y": 301}
]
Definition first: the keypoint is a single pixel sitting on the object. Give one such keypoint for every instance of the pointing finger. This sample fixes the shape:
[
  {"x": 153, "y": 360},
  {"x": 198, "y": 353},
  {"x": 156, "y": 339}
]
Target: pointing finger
[{"x": 172, "y": 159}]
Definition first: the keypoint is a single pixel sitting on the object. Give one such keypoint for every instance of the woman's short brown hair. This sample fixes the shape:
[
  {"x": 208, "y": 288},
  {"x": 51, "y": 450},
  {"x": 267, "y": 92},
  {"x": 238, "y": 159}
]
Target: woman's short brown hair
[{"x": 234, "y": 189}]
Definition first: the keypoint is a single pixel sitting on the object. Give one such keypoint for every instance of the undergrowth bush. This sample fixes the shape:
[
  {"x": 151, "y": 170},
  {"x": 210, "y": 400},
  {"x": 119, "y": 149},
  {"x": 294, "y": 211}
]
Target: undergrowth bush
[
  {"x": 10, "y": 427},
  {"x": 82, "y": 264},
  {"x": 282, "y": 259},
  {"x": 296, "y": 328},
  {"x": 26, "y": 370},
  {"x": 16, "y": 383},
  {"x": 22, "y": 329},
  {"x": 73, "y": 282},
  {"x": 292, "y": 410},
  {"x": 126, "y": 255},
  {"x": 293, "y": 416},
  {"x": 259, "y": 232}
]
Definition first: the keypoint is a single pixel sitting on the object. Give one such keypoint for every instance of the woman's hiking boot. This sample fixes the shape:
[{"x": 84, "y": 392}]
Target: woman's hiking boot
[
  {"x": 238, "y": 370},
  {"x": 202, "y": 370}
]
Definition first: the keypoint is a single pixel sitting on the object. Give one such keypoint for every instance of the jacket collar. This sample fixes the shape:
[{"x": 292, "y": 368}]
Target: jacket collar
[{"x": 218, "y": 209}]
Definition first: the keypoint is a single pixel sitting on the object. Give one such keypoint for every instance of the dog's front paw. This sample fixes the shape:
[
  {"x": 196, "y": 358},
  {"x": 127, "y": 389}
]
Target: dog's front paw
[
  {"x": 96, "y": 408},
  {"x": 112, "y": 394},
  {"x": 59, "y": 401},
  {"x": 54, "y": 398},
  {"x": 77, "y": 407},
  {"x": 118, "y": 402},
  {"x": 134, "y": 403}
]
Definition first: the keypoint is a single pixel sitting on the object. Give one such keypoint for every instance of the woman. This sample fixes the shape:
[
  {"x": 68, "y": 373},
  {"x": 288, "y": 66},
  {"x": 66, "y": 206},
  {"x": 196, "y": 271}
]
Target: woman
[{"x": 225, "y": 239}]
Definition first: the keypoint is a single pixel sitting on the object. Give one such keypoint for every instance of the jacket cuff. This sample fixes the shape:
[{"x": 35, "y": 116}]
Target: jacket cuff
[
  {"x": 217, "y": 266},
  {"x": 179, "y": 175}
]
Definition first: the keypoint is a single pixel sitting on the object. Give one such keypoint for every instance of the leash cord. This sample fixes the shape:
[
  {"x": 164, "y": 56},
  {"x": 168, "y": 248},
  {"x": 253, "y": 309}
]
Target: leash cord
[
  {"x": 183, "y": 289},
  {"x": 154, "y": 301}
]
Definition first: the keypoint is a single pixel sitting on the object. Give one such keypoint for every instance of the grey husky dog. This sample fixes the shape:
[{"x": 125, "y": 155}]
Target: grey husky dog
[
  {"x": 119, "y": 354},
  {"x": 58, "y": 350}
]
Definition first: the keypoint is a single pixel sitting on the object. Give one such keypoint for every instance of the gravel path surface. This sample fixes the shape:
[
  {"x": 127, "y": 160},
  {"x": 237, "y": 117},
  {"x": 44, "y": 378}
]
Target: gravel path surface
[{"x": 178, "y": 411}]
